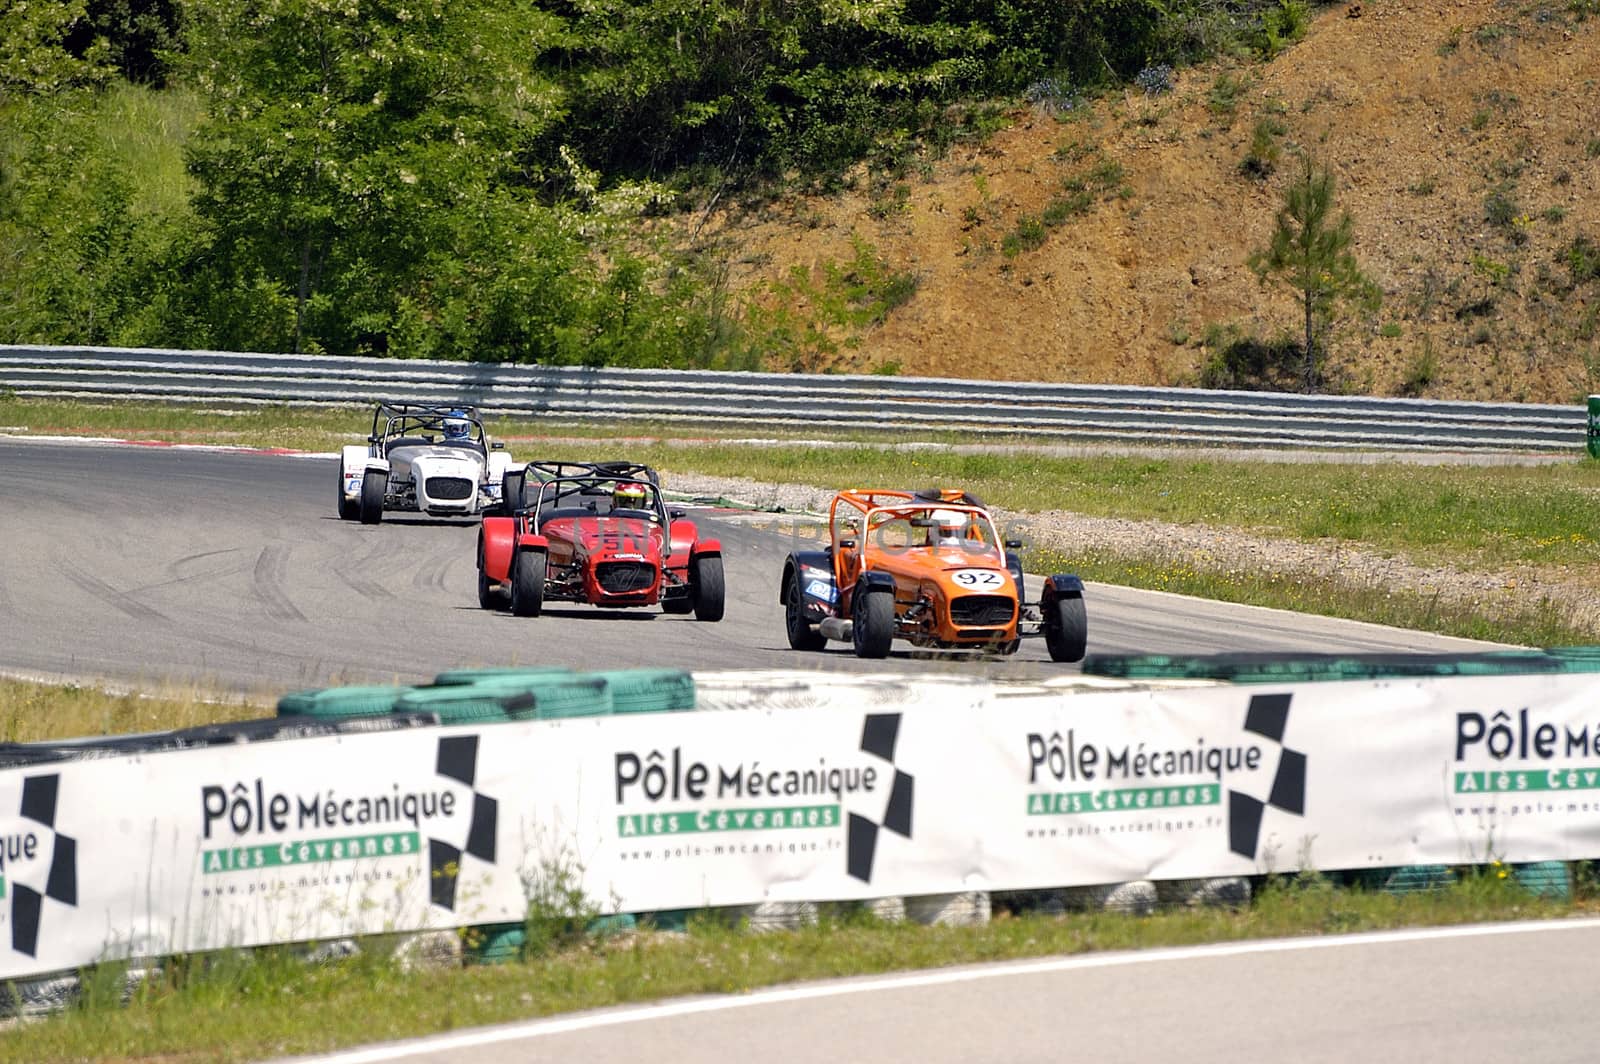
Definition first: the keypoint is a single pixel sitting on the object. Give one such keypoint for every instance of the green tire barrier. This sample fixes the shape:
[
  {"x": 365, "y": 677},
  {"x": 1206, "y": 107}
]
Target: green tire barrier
[
  {"x": 463, "y": 704},
  {"x": 649, "y": 690},
  {"x": 499, "y": 943},
  {"x": 455, "y": 677},
  {"x": 1547, "y": 879},
  {"x": 668, "y": 919},
  {"x": 1308, "y": 668},
  {"x": 1407, "y": 879},
  {"x": 559, "y": 698},
  {"x": 329, "y": 702},
  {"x": 502, "y": 943}
]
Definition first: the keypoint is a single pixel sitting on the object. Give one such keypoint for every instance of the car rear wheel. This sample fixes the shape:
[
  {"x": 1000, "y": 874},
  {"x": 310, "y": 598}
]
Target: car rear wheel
[
  {"x": 873, "y": 630},
  {"x": 527, "y": 583},
  {"x": 707, "y": 588},
  {"x": 374, "y": 486},
  {"x": 801, "y": 637},
  {"x": 349, "y": 509},
  {"x": 1066, "y": 628},
  {"x": 511, "y": 491},
  {"x": 488, "y": 592}
]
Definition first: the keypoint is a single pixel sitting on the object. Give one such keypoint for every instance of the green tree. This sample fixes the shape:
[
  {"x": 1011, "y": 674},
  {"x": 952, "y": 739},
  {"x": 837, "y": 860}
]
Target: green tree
[
  {"x": 1310, "y": 253},
  {"x": 357, "y": 153},
  {"x": 36, "y": 57}
]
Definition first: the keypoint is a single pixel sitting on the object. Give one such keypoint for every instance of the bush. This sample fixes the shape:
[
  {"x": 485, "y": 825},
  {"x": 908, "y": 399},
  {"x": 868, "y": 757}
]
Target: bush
[
  {"x": 1583, "y": 259},
  {"x": 1264, "y": 152},
  {"x": 1240, "y": 360},
  {"x": 1282, "y": 25},
  {"x": 1500, "y": 206}
]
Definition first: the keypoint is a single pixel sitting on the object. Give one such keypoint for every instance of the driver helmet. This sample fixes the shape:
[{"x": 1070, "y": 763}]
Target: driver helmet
[
  {"x": 950, "y": 525},
  {"x": 628, "y": 497},
  {"x": 456, "y": 426}
]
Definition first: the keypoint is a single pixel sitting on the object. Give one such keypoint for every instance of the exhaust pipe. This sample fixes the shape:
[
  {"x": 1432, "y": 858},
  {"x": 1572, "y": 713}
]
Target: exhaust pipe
[{"x": 835, "y": 628}]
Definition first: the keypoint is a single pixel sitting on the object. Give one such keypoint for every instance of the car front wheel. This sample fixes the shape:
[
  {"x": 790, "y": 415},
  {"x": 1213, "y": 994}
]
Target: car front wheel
[
  {"x": 1066, "y": 628},
  {"x": 527, "y": 583},
  {"x": 374, "y": 486},
  {"x": 707, "y": 587},
  {"x": 873, "y": 630}
]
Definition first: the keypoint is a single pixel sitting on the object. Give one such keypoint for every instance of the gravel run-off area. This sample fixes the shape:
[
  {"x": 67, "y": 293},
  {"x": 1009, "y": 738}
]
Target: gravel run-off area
[{"x": 1213, "y": 548}]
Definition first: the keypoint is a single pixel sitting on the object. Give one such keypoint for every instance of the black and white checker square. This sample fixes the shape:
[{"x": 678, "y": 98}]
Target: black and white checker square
[
  {"x": 39, "y": 800},
  {"x": 458, "y": 760},
  {"x": 1268, "y": 717},
  {"x": 879, "y": 736}
]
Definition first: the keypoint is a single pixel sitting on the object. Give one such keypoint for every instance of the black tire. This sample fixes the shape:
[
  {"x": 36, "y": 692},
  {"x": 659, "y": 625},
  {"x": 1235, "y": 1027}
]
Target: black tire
[
  {"x": 1066, "y": 628},
  {"x": 707, "y": 587},
  {"x": 527, "y": 583},
  {"x": 489, "y": 596},
  {"x": 801, "y": 637},
  {"x": 374, "y": 486},
  {"x": 873, "y": 630},
  {"x": 511, "y": 486},
  {"x": 349, "y": 509}
]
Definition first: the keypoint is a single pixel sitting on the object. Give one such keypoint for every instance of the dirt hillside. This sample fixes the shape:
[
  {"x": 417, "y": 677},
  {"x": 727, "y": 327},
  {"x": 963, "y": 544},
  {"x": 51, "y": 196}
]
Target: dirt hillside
[{"x": 1465, "y": 142}]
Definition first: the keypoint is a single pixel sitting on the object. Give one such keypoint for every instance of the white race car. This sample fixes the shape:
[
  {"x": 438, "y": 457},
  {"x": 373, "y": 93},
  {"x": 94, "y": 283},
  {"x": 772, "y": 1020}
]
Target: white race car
[{"x": 428, "y": 459}]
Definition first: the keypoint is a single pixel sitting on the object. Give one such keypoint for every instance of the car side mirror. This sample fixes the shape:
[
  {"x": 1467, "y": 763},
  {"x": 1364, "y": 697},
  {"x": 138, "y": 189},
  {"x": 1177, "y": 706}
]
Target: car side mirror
[
  {"x": 1013, "y": 544},
  {"x": 675, "y": 514},
  {"x": 372, "y": 439},
  {"x": 498, "y": 445},
  {"x": 847, "y": 544}
]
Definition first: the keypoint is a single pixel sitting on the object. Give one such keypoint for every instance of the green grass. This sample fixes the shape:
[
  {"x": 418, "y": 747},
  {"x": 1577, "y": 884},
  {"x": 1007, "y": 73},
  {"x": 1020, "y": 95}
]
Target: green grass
[
  {"x": 1503, "y": 619},
  {"x": 242, "y": 1007},
  {"x": 34, "y": 712}
]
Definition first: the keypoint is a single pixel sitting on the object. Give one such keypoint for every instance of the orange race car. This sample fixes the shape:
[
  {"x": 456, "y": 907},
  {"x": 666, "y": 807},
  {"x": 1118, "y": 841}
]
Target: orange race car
[{"x": 928, "y": 567}]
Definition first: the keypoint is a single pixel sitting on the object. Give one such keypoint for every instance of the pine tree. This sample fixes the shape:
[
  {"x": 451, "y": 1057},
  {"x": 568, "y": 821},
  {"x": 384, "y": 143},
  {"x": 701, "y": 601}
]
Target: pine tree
[{"x": 1311, "y": 254}]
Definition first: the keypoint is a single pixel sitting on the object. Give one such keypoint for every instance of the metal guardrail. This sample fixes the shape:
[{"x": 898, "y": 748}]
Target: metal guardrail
[{"x": 1080, "y": 412}]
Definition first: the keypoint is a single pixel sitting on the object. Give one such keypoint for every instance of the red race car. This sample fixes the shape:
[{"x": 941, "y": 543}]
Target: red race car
[{"x": 595, "y": 532}]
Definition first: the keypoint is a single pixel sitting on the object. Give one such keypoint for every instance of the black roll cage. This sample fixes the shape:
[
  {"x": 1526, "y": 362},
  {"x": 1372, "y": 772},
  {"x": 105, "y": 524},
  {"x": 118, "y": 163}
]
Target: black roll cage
[
  {"x": 400, "y": 419},
  {"x": 587, "y": 478}
]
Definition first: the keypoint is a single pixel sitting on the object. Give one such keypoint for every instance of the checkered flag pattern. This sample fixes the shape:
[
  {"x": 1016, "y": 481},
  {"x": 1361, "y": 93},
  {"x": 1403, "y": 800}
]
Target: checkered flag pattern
[
  {"x": 878, "y": 737},
  {"x": 39, "y": 795},
  {"x": 458, "y": 760},
  {"x": 1268, "y": 717}
]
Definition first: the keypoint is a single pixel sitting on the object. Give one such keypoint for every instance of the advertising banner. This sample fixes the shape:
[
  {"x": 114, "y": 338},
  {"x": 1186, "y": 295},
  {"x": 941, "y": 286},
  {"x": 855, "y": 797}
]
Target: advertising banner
[{"x": 935, "y": 790}]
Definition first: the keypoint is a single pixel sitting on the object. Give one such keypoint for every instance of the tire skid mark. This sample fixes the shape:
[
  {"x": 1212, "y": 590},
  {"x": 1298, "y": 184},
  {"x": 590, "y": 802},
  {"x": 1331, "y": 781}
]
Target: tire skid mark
[
  {"x": 177, "y": 572},
  {"x": 120, "y": 601},
  {"x": 361, "y": 585},
  {"x": 431, "y": 575},
  {"x": 270, "y": 564}
]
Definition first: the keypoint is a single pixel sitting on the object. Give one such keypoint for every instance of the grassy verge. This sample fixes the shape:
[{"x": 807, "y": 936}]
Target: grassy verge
[
  {"x": 1501, "y": 617},
  {"x": 34, "y": 712},
  {"x": 269, "y": 1003}
]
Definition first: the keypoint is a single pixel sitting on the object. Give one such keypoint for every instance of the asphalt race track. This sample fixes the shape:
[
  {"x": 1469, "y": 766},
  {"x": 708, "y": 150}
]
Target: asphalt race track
[{"x": 154, "y": 565}]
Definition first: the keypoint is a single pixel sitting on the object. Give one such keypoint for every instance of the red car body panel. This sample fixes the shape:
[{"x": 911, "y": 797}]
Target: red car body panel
[{"x": 594, "y": 544}]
